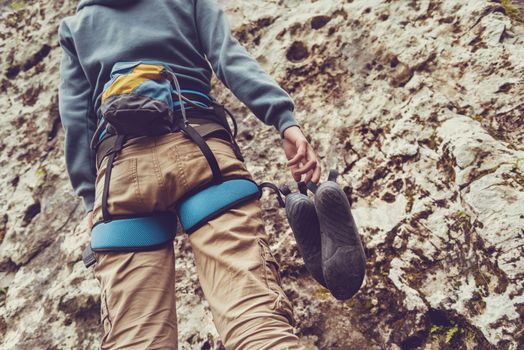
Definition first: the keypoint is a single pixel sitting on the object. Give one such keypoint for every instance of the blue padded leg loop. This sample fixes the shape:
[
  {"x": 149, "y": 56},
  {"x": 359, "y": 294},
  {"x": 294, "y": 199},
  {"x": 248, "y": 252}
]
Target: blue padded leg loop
[
  {"x": 212, "y": 201},
  {"x": 134, "y": 234}
]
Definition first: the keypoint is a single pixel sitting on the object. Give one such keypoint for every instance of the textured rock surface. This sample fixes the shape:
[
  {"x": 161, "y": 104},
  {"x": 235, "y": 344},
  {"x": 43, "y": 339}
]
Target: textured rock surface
[{"x": 417, "y": 103}]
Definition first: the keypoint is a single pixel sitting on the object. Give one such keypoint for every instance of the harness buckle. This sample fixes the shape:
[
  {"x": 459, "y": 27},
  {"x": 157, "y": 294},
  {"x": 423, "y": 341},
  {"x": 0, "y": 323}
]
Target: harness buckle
[{"x": 88, "y": 256}]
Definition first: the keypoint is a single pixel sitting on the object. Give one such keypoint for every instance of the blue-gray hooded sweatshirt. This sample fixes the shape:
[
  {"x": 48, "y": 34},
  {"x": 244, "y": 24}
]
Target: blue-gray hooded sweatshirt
[{"x": 185, "y": 34}]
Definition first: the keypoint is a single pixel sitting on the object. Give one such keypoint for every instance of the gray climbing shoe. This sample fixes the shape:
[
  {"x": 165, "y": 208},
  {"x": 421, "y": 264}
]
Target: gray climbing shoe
[
  {"x": 343, "y": 257},
  {"x": 302, "y": 218}
]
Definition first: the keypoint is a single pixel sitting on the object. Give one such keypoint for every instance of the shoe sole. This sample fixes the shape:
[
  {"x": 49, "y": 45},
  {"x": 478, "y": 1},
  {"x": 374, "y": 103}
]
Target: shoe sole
[{"x": 343, "y": 257}]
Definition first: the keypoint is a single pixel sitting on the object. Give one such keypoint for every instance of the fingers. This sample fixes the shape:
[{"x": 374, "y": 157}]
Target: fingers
[
  {"x": 295, "y": 175},
  {"x": 313, "y": 175},
  {"x": 301, "y": 159},
  {"x": 316, "y": 174},
  {"x": 300, "y": 155},
  {"x": 90, "y": 220},
  {"x": 308, "y": 176},
  {"x": 311, "y": 168},
  {"x": 307, "y": 167},
  {"x": 312, "y": 171}
]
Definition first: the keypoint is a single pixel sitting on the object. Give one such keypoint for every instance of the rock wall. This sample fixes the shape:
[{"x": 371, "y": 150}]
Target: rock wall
[{"x": 419, "y": 106}]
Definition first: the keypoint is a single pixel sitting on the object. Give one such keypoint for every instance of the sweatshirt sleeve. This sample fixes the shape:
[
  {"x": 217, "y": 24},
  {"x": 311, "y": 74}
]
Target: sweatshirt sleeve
[
  {"x": 240, "y": 72},
  {"x": 74, "y": 101}
]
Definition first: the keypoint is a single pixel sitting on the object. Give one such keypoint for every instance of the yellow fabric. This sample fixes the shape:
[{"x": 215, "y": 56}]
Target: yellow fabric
[{"x": 126, "y": 83}]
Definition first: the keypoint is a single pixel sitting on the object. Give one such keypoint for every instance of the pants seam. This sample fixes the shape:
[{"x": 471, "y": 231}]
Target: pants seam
[
  {"x": 157, "y": 170},
  {"x": 134, "y": 175},
  {"x": 265, "y": 265},
  {"x": 108, "y": 316},
  {"x": 181, "y": 172}
]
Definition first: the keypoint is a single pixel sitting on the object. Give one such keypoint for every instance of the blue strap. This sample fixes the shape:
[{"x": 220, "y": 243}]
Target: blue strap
[
  {"x": 177, "y": 104},
  {"x": 150, "y": 232},
  {"x": 196, "y": 93},
  {"x": 102, "y": 134},
  {"x": 131, "y": 234},
  {"x": 207, "y": 204}
]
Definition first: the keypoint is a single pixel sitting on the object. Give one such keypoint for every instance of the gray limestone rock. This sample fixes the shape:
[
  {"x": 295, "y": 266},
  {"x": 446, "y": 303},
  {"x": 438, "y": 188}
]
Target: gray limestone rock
[{"x": 417, "y": 104}]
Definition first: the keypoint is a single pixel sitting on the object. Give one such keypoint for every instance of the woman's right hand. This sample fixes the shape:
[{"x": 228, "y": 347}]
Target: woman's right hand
[{"x": 298, "y": 151}]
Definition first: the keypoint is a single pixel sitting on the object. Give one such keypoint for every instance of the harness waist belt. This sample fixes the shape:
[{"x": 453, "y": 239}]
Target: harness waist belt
[{"x": 205, "y": 127}]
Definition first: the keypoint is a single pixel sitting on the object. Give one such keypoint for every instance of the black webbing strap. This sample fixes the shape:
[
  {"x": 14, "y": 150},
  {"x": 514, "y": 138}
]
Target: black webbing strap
[
  {"x": 302, "y": 188},
  {"x": 201, "y": 143},
  {"x": 237, "y": 151},
  {"x": 119, "y": 141},
  {"x": 274, "y": 188},
  {"x": 104, "y": 148},
  {"x": 312, "y": 186},
  {"x": 217, "y": 115},
  {"x": 221, "y": 111},
  {"x": 88, "y": 257},
  {"x": 99, "y": 129}
]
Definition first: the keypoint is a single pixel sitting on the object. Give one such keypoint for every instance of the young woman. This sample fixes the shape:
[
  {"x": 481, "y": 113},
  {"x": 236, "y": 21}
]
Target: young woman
[{"x": 237, "y": 272}]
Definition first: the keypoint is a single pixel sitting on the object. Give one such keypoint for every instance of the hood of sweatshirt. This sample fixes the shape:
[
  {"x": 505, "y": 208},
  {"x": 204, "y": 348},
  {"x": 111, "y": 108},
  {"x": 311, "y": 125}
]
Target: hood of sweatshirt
[{"x": 112, "y": 3}]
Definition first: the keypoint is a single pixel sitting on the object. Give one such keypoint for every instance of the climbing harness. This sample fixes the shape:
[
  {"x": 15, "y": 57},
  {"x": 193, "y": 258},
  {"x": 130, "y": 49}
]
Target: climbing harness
[{"x": 138, "y": 101}]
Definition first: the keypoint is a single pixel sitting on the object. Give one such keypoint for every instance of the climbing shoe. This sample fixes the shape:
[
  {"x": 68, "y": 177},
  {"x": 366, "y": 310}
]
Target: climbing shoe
[
  {"x": 302, "y": 218},
  {"x": 326, "y": 235},
  {"x": 343, "y": 257}
]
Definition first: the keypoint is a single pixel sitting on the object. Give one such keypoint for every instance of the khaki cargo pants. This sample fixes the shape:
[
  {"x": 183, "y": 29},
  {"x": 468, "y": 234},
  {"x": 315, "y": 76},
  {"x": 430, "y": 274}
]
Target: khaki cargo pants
[{"x": 236, "y": 270}]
